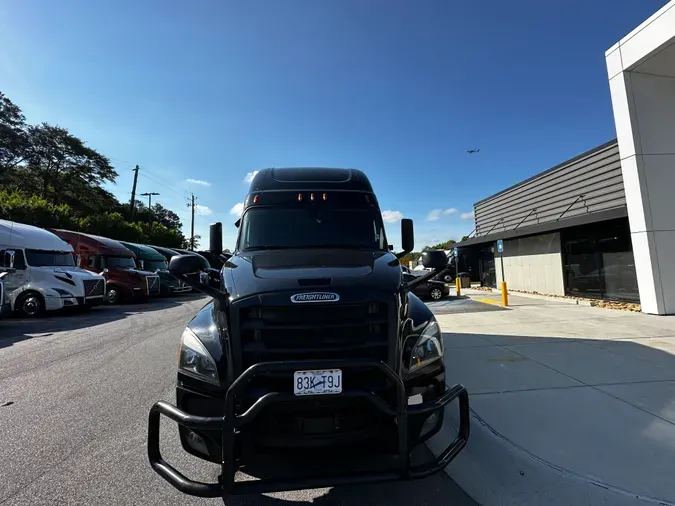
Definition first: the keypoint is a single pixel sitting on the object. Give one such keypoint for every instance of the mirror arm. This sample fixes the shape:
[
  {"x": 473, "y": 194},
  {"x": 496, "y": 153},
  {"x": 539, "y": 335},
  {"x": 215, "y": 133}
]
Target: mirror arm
[
  {"x": 412, "y": 284},
  {"x": 205, "y": 289}
]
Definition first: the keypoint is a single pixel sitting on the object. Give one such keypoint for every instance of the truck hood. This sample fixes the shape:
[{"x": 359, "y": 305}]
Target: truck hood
[
  {"x": 166, "y": 277},
  {"x": 132, "y": 272},
  {"x": 311, "y": 269},
  {"x": 69, "y": 272},
  {"x": 132, "y": 277}
]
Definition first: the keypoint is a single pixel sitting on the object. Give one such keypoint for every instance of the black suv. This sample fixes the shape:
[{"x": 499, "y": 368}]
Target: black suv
[{"x": 314, "y": 352}]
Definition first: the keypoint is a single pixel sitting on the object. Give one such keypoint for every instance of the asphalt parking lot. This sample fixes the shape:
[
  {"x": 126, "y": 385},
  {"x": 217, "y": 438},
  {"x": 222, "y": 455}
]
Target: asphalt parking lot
[{"x": 74, "y": 397}]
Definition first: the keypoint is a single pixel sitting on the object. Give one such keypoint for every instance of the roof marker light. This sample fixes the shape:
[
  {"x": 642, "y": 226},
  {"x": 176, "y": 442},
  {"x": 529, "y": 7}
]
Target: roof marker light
[
  {"x": 255, "y": 199},
  {"x": 311, "y": 196},
  {"x": 299, "y": 197},
  {"x": 325, "y": 196}
]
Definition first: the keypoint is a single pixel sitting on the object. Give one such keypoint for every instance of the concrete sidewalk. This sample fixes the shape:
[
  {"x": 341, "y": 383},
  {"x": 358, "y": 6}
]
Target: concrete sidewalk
[{"x": 571, "y": 404}]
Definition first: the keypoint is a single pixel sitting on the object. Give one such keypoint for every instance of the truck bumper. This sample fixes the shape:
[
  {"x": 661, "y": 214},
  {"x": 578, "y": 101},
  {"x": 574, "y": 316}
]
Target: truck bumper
[{"x": 385, "y": 468}]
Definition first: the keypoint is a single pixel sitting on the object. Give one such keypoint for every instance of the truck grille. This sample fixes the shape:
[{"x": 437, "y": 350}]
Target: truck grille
[
  {"x": 153, "y": 285},
  {"x": 314, "y": 331},
  {"x": 94, "y": 287}
]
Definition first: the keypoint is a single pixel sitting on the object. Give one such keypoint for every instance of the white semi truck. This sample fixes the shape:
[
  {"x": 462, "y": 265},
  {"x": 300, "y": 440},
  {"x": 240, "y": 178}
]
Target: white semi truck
[
  {"x": 41, "y": 274},
  {"x": 4, "y": 302}
]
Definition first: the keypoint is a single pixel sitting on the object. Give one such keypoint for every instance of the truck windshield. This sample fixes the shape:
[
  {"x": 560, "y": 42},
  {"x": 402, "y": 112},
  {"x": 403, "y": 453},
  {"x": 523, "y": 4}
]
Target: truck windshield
[
  {"x": 153, "y": 265},
  {"x": 45, "y": 258},
  {"x": 278, "y": 228},
  {"x": 121, "y": 262}
]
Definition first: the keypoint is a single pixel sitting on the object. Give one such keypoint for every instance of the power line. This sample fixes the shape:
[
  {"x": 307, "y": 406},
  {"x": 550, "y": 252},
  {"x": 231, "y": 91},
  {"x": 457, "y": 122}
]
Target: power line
[{"x": 164, "y": 185}]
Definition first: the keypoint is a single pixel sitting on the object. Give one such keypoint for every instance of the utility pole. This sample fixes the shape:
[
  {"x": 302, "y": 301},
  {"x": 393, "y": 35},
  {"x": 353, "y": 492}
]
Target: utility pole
[
  {"x": 149, "y": 195},
  {"x": 133, "y": 194},
  {"x": 192, "y": 228}
]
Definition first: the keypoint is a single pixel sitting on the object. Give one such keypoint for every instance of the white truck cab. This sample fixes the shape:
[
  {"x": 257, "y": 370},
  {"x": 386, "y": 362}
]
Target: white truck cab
[
  {"x": 4, "y": 301},
  {"x": 41, "y": 274}
]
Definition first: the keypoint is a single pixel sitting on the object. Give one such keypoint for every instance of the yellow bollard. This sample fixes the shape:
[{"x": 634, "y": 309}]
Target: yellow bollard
[
  {"x": 505, "y": 294},
  {"x": 458, "y": 285}
]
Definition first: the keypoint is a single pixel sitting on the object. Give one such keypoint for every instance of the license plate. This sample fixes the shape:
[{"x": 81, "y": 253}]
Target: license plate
[{"x": 317, "y": 382}]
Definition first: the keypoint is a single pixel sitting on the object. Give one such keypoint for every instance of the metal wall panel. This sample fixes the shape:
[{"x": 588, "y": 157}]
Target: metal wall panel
[{"x": 589, "y": 183}]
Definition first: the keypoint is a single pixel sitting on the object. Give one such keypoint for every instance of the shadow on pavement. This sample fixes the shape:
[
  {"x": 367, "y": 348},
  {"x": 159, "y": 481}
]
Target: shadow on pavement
[
  {"x": 602, "y": 409},
  {"x": 431, "y": 491},
  {"x": 14, "y": 329}
]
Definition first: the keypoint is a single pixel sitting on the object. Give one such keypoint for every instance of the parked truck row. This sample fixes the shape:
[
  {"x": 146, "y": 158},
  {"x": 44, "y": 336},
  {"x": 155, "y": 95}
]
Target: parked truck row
[{"x": 52, "y": 269}]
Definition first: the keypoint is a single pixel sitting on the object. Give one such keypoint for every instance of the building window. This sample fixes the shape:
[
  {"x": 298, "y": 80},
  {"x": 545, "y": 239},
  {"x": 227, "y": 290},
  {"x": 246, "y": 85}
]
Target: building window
[{"x": 598, "y": 261}]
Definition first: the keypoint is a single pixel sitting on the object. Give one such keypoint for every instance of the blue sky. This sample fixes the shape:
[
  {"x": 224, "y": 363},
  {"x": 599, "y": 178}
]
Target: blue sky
[{"x": 211, "y": 91}]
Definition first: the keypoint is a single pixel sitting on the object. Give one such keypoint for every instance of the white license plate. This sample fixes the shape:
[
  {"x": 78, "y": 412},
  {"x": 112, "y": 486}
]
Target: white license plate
[{"x": 317, "y": 382}]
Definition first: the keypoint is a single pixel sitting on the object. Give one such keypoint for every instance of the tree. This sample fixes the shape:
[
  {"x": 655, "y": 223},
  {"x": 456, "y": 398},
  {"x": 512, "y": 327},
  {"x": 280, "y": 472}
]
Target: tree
[
  {"x": 443, "y": 245},
  {"x": 158, "y": 213},
  {"x": 59, "y": 160},
  {"x": 410, "y": 257},
  {"x": 35, "y": 210},
  {"x": 465, "y": 238},
  {"x": 50, "y": 178},
  {"x": 13, "y": 140},
  {"x": 187, "y": 243}
]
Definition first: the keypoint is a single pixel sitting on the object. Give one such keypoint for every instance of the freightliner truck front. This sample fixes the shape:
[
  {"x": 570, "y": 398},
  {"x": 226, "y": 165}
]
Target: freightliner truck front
[{"x": 314, "y": 365}]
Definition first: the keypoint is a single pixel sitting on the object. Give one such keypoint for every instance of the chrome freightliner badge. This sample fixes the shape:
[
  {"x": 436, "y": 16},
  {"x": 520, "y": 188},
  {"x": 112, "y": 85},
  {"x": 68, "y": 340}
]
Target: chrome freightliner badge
[{"x": 315, "y": 297}]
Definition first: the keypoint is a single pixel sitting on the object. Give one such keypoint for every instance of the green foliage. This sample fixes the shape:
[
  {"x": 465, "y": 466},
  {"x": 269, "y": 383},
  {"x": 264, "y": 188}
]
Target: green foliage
[
  {"x": 443, "y": 245},
  {"x": 38, "y": 211},
  {"x": 13, "y": 141},
  {"x": 35, "y": 210},
  {"x": 465, "y": 238},
  {"x": 51, "y": 179},
  {"x": 188, "y": 245}
]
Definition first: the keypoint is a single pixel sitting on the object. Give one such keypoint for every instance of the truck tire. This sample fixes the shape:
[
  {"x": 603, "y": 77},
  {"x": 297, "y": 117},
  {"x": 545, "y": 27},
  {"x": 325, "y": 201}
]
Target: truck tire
[
  {"x": 112, "y": 295},
  {"x": 30, "y": 305},
  {"x": 436, "y": 293}
]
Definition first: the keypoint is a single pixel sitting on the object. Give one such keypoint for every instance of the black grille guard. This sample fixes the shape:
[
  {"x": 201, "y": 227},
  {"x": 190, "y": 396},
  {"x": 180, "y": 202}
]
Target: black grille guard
[{"x": 228, "y": 423}]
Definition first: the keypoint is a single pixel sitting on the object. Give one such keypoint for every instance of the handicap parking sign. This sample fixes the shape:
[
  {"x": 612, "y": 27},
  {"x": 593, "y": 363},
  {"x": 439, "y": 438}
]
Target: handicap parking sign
[{"x": 500, "y": 246}]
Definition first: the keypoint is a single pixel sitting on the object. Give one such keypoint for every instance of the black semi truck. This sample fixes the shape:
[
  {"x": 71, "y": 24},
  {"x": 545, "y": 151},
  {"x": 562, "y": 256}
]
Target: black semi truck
[{"x": 314, "y": 365}]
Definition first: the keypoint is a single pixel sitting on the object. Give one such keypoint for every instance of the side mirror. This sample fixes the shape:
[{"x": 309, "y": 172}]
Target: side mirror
[
  {"x": 181, "y": 265},
  {"x": 407, "y": 235},
  {"x": 434, "y": 259},
  {"x": 184, "y": 264},
  {"x": 9, "y": 258}
]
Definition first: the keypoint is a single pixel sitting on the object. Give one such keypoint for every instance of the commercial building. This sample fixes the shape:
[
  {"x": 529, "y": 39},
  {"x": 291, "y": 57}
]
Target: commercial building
[{"x": 602, "y": 224}]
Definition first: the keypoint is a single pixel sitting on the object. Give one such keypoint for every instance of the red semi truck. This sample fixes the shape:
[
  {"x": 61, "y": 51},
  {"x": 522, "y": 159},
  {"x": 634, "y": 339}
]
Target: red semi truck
[{"x": 124, "y": 281}]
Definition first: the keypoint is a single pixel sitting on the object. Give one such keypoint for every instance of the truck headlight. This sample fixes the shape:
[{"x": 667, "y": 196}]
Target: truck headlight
[
  {"x": 195, "y": 360},
  {"x": 429, "y": 347}
]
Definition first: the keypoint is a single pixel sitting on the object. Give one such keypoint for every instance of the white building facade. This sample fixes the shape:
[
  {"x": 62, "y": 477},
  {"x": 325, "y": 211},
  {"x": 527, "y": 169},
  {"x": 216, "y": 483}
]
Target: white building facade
[{"x": 641, "y": 71}]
